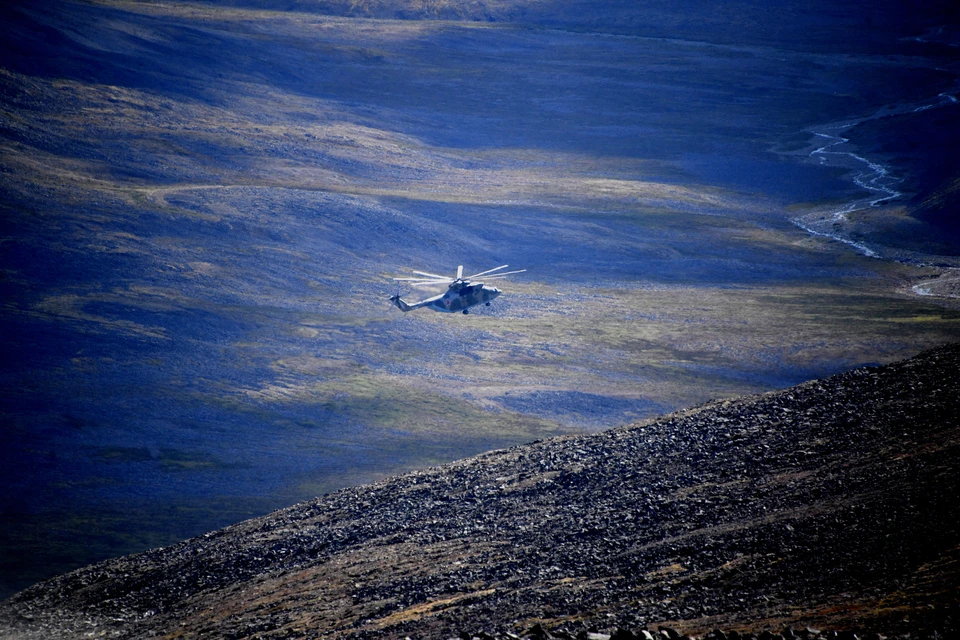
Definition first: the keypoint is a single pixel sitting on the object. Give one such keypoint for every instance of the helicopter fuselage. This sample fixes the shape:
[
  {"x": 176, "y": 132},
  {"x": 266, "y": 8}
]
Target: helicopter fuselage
[
  {"x": 461, "y": 294},
  {"x": 461, "y": 297}
]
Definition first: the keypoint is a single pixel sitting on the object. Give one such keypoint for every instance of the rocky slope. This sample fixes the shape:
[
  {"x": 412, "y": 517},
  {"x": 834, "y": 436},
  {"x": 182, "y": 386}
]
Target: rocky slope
[{"x": 833, "y": 504}]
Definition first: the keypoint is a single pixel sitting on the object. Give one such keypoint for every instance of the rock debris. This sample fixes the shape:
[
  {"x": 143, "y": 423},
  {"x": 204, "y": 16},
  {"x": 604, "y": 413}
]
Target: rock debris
[{"x": 828, "y": 510}]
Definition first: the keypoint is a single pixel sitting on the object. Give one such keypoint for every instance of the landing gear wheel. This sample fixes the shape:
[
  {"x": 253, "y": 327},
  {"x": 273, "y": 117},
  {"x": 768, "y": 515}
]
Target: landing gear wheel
[
  {"x": 487, "y": 305},
  {"x": 466, "y": 311}
]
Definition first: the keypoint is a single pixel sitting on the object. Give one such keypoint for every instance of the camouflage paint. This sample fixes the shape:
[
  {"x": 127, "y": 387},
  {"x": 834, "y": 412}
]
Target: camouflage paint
[{"x": 460, "y": 296}]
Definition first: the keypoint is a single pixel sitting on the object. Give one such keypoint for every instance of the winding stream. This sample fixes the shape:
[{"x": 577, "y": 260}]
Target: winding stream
[
  {"x": 880, "y": 185},
  {"x": 870, "y": 176}
]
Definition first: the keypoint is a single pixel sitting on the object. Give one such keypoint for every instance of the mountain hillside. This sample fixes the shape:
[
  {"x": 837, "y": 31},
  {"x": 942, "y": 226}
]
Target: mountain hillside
[{"x": 833, "y": 504}]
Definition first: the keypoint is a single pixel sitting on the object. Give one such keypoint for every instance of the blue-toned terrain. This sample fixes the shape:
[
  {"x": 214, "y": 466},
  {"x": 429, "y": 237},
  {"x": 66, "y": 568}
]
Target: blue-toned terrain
[{"x": 202, "y": 205}]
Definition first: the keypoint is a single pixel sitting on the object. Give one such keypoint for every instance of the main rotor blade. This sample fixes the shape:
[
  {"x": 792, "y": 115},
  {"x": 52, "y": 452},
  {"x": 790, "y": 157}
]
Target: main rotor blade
[
  {"x": 459, "y": 272},
  {"x": 432, "y": 275},
  {"x": 438, "y": 279},
  {"x": 483, "y": 273},
  {"x": 503, "y": 275},
  {"x": 416, "y": 281}
]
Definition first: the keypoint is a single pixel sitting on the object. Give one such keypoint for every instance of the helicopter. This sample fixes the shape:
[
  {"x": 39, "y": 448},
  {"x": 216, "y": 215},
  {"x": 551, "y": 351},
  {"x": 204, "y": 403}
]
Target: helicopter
[{"x": 462, "y": 292}]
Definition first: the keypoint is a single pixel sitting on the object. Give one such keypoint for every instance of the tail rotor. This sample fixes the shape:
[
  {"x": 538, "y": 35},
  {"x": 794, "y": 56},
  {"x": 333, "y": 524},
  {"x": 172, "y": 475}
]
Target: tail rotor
[{"x": 399, "y": 303}]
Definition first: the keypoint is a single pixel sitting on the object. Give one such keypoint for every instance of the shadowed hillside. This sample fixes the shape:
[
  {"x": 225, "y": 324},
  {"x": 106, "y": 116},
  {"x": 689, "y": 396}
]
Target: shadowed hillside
[{"x": 830, "y": 504}]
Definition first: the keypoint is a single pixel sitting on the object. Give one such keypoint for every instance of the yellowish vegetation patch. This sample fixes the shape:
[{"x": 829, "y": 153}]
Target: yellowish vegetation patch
[
  {"x": 429, "y": 608},
  {"x": 71, "y": 307},
  {"x": 668, "y": 570}
]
